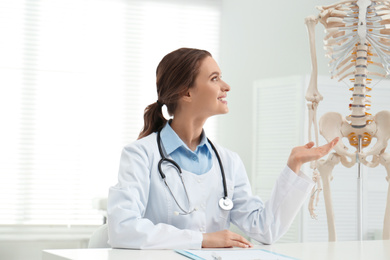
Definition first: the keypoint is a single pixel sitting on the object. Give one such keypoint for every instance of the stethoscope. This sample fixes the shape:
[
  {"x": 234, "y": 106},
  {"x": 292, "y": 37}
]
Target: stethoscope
[{"x": 224, "y": 203}]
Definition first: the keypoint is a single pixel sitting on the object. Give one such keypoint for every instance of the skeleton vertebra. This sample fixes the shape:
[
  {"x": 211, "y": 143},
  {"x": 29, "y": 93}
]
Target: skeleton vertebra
[{"x": 357, "y": 36}]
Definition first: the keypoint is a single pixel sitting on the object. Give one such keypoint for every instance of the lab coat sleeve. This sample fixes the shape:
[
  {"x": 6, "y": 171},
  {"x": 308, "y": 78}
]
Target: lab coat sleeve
[
  {"x": 267, "y": 222},
  {"x": 126, "y": 207}
]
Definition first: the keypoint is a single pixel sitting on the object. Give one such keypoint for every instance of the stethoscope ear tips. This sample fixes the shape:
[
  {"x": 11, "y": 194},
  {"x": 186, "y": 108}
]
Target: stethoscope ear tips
[{"x": 176, "y": 213}]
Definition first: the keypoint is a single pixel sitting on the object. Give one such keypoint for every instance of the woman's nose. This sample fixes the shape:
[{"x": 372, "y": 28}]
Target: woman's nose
[{"x": 225, "y": 87}]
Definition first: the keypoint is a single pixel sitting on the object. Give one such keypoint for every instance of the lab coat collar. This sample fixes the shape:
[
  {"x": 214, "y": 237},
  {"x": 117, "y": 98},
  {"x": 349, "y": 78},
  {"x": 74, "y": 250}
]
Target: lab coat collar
[{"x": 172, "y": 141}]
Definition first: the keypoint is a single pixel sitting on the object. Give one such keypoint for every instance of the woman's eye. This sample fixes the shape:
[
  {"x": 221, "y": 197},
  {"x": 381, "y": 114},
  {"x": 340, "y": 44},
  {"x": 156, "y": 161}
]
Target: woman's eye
[{"x": 214, "y": 79}]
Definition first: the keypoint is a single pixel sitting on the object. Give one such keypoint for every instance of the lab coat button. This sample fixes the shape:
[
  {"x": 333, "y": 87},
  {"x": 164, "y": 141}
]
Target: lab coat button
[
  {"x": 201, "y": 229},
  {"x": 199, "y": 180}
]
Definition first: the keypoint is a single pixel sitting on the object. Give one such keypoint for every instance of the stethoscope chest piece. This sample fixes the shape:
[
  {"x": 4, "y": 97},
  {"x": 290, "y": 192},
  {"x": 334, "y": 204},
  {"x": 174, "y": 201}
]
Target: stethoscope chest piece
[{"x": 226, "y": 203}]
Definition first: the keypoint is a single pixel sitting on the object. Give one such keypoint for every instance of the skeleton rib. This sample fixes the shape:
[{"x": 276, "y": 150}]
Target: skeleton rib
[
  {"x": 339, "y": 39},
  {"x": 343, "y": 70},
  {"x": 376, "y": 43},
  {"x": 339, "y": 13},
  {"x": 338, "y": 42},
  {"x": 376, "y": 74},
  {"x": 378, "y": 35},
  {"x": 382, "y": 12},
  {"x": 349, "y": 58},
  {"x": 346, "y": 75},
  {"x": 349, "y": 2},
  {"x": 374, "y": 63},
  {"x": 334, "y": 34}
]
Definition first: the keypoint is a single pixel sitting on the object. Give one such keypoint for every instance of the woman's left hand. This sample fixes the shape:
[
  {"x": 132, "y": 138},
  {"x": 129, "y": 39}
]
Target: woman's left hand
[{"x": 302, "y": 154}]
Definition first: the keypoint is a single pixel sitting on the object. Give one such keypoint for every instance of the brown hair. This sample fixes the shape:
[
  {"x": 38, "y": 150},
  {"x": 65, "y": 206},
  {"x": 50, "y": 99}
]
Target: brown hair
[{"x": 175, "y": 74}]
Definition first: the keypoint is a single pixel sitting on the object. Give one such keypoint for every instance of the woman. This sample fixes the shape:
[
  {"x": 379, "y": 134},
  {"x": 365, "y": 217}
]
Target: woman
[{"x": 152, "y": 207}]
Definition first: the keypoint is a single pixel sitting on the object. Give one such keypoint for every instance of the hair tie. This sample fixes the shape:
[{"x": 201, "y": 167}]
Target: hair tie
[{"x": 159, "y": 103}]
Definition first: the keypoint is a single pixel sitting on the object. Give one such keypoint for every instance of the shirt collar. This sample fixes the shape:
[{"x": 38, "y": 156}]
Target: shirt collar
[{"x": 172, "y": 141}]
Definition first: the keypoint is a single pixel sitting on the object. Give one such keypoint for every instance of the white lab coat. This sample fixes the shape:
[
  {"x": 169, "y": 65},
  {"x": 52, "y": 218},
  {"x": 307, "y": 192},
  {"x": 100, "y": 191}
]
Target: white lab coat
[{"x": 141, "y": 209}]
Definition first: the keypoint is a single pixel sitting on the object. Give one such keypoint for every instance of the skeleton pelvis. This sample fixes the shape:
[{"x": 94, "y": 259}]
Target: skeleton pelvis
[{"x": 333, "y": 125}]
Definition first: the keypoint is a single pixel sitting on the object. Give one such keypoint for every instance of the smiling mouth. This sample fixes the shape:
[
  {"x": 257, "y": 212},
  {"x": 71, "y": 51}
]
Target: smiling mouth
[{"x": 222, "y": 99}]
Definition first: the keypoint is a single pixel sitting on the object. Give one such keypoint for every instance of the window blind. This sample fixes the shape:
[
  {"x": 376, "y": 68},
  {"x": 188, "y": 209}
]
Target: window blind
[
  {"x": 278, "y": 118},
  {"x": 75, "y": 77}
]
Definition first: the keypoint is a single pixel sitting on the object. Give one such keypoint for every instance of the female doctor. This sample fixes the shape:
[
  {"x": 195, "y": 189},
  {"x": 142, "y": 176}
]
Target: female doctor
[{"x": 177, "y": 189}]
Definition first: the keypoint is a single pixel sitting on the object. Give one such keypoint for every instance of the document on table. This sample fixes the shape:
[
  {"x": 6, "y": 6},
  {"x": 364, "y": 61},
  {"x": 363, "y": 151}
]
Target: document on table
[{"x": 233, "y": 254}]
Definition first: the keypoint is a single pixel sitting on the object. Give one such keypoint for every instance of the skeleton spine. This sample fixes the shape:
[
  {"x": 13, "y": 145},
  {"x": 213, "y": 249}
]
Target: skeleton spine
[{"x": 359, "y": 98}]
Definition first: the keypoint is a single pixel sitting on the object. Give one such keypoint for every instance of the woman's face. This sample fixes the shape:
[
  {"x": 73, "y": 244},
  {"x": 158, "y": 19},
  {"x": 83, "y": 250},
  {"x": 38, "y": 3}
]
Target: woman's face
[{"x": 208, "y": 95}]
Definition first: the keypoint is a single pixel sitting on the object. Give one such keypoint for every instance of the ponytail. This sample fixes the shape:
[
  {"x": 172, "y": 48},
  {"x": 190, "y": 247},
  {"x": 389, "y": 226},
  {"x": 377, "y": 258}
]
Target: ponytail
[
  {"x": 153, "y": 119},
  {"x": 175, "y": 74}
]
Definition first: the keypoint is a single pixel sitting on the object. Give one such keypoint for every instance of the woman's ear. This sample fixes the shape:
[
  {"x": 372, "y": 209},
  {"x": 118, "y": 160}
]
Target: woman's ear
[{"x": 187, "y": 96}]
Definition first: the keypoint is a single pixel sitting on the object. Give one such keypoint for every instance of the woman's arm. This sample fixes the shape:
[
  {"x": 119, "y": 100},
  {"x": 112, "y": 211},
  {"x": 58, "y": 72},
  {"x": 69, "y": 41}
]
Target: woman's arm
[{"x": 267, "y": 222}]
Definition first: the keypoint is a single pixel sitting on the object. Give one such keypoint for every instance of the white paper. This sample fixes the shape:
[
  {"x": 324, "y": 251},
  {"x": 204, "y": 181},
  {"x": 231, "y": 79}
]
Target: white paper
[{"x": 239, "y": 254}]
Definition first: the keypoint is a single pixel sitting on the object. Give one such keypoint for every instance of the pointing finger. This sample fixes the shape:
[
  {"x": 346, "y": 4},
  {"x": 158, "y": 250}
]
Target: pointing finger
[
  {"x": 329, "y": 146},
  {"x": 335, "y": 141}
]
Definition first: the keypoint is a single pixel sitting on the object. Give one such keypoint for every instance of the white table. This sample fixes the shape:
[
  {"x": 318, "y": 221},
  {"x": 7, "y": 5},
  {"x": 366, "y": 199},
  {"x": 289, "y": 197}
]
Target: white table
[{"x": 354, "y": 250}]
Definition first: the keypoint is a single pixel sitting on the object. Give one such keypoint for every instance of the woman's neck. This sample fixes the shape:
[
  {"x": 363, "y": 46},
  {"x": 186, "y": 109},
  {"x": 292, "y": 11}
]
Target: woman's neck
[{"x": 189, "y": 130}]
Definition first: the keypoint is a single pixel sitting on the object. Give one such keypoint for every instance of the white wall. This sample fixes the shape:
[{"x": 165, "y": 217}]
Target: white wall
[{"x": 261, "y": 39}]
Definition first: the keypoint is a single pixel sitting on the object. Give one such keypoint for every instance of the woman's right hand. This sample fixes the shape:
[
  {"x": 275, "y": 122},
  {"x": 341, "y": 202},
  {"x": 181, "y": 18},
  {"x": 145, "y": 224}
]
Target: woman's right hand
[
  {"x": 224, "y": 238},
  {"x": 303, "y": 154}
]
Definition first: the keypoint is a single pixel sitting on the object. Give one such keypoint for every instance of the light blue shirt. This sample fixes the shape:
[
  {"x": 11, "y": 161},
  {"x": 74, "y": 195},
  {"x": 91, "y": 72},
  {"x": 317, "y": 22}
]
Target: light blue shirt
[{"x": 198, "y": 161}]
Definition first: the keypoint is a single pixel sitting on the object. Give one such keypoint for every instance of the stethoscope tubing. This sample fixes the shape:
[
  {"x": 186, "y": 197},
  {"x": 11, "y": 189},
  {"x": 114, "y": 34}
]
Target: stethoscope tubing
[
  {"x": 224, "y": 202},
  {"x": 225, "y": 194}
]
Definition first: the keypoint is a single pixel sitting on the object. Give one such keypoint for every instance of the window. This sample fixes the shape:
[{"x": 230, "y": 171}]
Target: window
[{"x": 75, "y": 77}]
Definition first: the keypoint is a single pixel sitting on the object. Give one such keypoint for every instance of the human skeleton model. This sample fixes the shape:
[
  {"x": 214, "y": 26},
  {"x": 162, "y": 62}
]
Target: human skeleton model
[{"x": 357, "y": 40}]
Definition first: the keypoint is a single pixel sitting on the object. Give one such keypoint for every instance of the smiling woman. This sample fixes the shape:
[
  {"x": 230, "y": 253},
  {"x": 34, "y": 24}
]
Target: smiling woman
[{"x": 169, "y": 193}]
